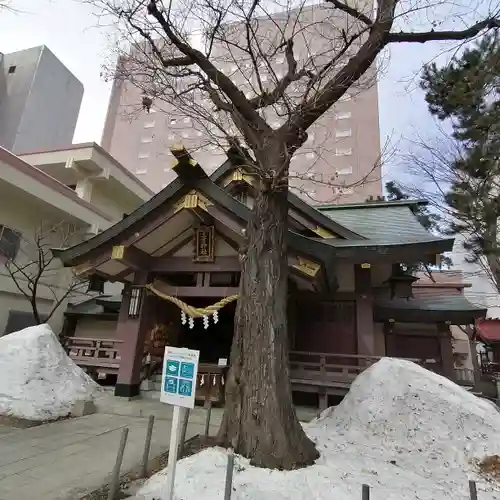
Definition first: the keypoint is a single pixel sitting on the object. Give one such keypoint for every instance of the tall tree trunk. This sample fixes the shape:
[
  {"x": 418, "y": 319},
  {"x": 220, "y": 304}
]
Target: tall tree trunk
[{"x": 259, "y": 420}]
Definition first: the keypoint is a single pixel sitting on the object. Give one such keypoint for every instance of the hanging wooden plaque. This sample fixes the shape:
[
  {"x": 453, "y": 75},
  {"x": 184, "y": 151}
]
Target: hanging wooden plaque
[{"x": 204, "y": 244}]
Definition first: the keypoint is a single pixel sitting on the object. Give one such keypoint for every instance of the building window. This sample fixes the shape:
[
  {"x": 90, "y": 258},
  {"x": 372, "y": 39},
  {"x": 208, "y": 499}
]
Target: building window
[
  {"x": 185, "y": 135},
  {"x": 171, "y": 137},
  {"x": 10, "y": 242},
  {"x": 310, "y": 156},
  {"x": 343, "y": 115},
  {"x": 199, "y": 134},
  {"x": 12, "y": 70},
  {"x": 345, "y": 171},
  {"x": 146, "y": 139},
  {"x": 187, "y": 120},
  {"x": 343, "y": 133},
  {"x": 343, "y": 152},
  {"x": 149, "y": 124},
  {"x": 143, "y": 156},
  {"x": 173, "y": 121},
  {"x": 141, "y": 171}
]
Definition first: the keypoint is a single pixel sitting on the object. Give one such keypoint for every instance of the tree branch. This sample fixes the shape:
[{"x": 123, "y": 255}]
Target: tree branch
[
  {"x": 236, "y": 96},
  {"x": 433, "y": 36},
  {"x": 270, "y": 98},
  {"x": 351, "y": 11},
  {"x": 318, "y": 104}
]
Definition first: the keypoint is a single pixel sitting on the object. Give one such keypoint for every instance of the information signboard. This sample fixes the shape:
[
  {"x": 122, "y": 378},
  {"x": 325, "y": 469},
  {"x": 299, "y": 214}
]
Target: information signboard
[{"x": 180, "y": 369}]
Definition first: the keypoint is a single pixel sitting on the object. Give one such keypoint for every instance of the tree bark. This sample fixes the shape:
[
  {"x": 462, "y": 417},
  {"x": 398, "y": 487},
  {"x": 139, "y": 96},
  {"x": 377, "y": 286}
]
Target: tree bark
[{"x": 259, "y": 421}]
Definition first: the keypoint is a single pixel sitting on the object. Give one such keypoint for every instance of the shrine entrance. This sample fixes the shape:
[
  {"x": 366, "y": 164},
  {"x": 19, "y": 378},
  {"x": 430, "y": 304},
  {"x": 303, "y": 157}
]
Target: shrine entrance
[{"x": 213, "y": 342}]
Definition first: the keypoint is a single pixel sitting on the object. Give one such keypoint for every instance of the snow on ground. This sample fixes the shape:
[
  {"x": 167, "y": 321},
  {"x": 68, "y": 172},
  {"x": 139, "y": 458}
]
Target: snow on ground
[
  {"x": 408, "y": 433},
  {"x": 38, "y": 381}
]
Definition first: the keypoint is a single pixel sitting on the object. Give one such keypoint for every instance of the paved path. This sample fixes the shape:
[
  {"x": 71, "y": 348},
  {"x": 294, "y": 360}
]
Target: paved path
[
  {"x": 67, "y": 459},
  {"x": 64, "y": 460}
]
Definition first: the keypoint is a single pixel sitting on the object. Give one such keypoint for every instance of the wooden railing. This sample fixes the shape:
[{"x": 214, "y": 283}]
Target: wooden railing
[
  {"x": 101, "y": 354},
  {"x": 327, "y": 369},
  {"x": 464, "y": 376}
]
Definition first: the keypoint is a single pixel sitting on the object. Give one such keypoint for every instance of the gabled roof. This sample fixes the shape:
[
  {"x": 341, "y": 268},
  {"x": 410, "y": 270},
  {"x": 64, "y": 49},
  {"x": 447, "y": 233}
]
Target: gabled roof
[
  {"x": 358, "y": 240},
  {"x": 373, "y": 226}
]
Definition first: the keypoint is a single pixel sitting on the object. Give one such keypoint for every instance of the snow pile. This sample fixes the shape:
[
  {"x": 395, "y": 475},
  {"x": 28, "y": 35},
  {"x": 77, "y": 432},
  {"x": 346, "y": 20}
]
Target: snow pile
[
  {"x": 405, "y": 431},
  {"x": 38, "y": 381}
]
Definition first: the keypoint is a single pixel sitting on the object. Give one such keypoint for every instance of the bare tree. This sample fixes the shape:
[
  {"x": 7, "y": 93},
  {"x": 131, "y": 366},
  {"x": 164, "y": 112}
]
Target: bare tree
[
  {"x": 35, "y": 271},
  {"x": 432, "y": 168},
  {"x": 184, "y": 48}
]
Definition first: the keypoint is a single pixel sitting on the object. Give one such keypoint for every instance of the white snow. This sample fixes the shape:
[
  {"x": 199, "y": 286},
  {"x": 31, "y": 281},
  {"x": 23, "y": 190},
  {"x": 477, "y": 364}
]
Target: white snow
[
  {"x": 405, "y": 431},
  {"x": 38, "y": 381}
]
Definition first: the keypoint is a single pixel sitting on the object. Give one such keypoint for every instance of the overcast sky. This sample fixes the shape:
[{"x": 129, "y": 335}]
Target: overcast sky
[{"x": 68, "y": 28}]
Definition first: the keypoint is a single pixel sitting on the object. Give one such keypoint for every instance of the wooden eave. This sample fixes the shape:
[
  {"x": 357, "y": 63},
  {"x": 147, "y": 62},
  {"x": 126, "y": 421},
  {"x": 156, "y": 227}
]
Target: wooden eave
[{"x": 115, "y": 253}]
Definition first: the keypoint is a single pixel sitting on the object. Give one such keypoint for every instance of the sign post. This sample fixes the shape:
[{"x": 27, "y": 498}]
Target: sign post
[{"x": 178, "y": 388}]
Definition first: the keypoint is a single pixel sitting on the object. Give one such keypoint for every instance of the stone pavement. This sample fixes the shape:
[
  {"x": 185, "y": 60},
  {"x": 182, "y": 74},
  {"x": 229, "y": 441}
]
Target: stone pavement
[{"x": 66, "y": 459}]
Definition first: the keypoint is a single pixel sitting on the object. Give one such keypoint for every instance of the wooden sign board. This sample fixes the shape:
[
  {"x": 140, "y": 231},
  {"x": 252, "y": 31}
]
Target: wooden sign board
[{"x": 204, "y": 244}]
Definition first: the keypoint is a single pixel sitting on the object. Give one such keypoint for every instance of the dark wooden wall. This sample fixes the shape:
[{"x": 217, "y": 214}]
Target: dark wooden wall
[{"x": 326, "y": 327}]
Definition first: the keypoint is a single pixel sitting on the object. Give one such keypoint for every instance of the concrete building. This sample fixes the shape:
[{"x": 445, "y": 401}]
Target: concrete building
[
  {"x": 82, "y": 186},
  {"x": 482, "y": 291},
  {"x": 339, "y": 163},
  {"x": 39, "y": 101}
]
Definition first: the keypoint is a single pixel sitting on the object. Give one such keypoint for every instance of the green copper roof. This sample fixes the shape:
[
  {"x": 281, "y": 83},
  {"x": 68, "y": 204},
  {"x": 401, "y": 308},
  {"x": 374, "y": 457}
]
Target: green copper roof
[{"x": 383, "y": 223}]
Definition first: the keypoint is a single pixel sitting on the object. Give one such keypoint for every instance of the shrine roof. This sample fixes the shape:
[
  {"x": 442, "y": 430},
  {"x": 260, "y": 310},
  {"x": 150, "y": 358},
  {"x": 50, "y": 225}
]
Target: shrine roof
[
  {"x": 387, "y": 224},
  {"x": 454, "y": 308},
  {"x": 488, "y": 330},
  {"x": 95, "y": 306},
  {"x": 358, "y": 232}
]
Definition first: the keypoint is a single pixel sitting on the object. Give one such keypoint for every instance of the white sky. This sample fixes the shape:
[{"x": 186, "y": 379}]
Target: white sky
[{"x": 69, "y": 29}]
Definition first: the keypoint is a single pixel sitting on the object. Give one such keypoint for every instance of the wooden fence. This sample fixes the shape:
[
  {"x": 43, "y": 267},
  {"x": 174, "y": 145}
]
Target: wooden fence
[{"x": 102, "y": 355}]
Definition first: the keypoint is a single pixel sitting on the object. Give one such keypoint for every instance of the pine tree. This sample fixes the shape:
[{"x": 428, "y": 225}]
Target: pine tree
[{"x": 466, "y": 93}]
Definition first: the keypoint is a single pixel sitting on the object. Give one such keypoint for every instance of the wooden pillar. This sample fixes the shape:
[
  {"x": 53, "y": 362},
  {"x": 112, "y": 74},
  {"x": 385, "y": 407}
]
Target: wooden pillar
[
  {"x": 364, "y": 310},
  {"x": 390, "y": 339},
  {"x": 69, "y": 326},
  {"x": 132, "y": 332},
  {"x": 476, "y": 368},
  {"x": 446, "y": 349}
]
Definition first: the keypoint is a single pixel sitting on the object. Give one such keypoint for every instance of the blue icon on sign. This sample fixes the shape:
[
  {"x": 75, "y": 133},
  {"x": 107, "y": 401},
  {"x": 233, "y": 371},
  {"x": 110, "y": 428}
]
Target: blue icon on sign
[
  {"x": 173, "y": 367},
  {"x": 185, "y": 387},
  {"x": 171, "y": 385},
  {"x": 187, "y": 370}
]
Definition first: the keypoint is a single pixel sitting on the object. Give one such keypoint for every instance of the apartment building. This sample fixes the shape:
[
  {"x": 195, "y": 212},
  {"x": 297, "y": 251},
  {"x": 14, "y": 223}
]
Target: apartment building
[
  {"x": 39, "y": 101},
  {"x": 81, "y": 186},
  {"x": 340, "y": 162}
]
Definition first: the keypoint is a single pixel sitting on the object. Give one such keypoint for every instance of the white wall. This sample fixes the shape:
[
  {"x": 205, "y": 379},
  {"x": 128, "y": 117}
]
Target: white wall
[
  {"x": 482, "y": 291},
  {"x": 113, "y": 207},
  {"x": 24, "y": 214}
]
